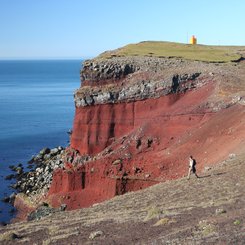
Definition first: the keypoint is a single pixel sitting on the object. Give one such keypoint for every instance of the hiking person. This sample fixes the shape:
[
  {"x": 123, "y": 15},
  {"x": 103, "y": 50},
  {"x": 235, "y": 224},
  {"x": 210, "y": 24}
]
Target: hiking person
[{"x": 192, "y": 167}]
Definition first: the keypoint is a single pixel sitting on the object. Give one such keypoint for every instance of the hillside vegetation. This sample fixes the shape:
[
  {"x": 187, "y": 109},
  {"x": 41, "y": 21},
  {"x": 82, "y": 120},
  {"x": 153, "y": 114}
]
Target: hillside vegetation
[{"x": 178, "y": 50}]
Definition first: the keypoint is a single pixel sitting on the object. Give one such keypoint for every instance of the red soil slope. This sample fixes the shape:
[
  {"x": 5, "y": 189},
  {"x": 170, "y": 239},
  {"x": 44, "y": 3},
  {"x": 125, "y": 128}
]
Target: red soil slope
[{"x": 140, "y": 143}]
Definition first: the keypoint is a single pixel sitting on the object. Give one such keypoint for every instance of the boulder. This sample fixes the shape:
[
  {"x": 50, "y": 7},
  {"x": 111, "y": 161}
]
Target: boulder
[
  {"x": 9, "y": 177},
  {"x": 44, "y": 151},
  {"x": 95, "y": 234},
  {"x": 12, "y": 197},
  {"x": 5, "y": 199},
  {"x": 54, "y": 151}
]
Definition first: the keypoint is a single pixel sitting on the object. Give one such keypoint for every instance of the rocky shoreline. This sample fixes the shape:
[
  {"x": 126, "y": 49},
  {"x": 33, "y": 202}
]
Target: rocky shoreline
[{"x": 35, "y": 179}]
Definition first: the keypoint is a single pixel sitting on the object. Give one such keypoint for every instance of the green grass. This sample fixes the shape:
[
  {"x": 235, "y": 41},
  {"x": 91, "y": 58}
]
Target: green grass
[
  {"x": 178, "y": 50},
  {"x": 237, "y": 222},
  {"x": 152, "y": 213}
]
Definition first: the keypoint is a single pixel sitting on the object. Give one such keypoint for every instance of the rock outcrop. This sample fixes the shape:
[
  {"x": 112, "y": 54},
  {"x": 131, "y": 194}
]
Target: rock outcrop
[
  {"x": 130, "y": 79},
  {"x": 138, "y": 119}
]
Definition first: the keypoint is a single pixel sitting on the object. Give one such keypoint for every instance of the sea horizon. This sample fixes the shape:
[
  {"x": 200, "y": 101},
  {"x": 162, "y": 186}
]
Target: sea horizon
[{"x": 44, "y": 58}]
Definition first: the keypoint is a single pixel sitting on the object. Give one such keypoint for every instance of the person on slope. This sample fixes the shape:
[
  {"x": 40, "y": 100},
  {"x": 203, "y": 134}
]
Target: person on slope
[{"x": 192, "y": 167}]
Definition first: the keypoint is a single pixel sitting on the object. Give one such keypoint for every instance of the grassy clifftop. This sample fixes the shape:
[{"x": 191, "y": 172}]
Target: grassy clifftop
[{"x": 178, "y": 50}]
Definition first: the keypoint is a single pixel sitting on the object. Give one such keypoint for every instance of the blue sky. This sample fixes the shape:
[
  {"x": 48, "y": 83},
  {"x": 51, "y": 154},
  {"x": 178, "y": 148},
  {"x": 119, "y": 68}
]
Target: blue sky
[{"x": 84, "y": 28}]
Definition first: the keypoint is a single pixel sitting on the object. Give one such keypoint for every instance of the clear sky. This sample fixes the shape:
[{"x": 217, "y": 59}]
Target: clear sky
[{"x": 84, "y": 28}]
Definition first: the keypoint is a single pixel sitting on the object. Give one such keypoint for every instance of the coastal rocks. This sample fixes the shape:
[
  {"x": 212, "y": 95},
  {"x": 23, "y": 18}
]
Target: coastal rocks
[
  {"x": 10, "y": 176},
  {"x": 33, "y": 185},
  {"x": 38, "y": 179},
  {"x": 44, "y": 151},
  {"x": 12, "y": 197},
  {"x": 9, "y": 199}
]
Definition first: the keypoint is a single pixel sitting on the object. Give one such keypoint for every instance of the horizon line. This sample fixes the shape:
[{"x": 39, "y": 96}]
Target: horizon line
[{"x": 44, "y": 58}]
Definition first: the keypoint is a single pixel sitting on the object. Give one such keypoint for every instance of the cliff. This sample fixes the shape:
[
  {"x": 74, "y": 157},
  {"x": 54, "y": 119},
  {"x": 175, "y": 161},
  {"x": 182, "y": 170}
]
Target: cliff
[
  {"x": 138, "y": 118},
  {"x": 140, "y": 115}
]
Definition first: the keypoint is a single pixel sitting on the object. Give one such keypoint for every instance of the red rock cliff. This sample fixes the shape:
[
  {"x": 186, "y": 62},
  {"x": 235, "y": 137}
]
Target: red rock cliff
[{"x": 138, "y": 119}]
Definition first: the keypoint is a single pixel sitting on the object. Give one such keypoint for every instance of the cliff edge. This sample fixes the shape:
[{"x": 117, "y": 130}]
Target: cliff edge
[{"x": 142, "y": 110}]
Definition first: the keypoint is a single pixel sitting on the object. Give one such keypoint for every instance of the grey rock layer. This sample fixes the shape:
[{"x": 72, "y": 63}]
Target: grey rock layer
[
  {"x": 139, "y": 90},
  {"x": 125, "y": 79},
  {"x": 115, "y": 68}
]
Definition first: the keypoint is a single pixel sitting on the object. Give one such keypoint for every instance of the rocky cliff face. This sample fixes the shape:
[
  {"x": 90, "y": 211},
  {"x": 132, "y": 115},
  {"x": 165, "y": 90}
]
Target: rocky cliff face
[
  {"x": 129, "y": 79},
  {"x": 139, "y": 118}
]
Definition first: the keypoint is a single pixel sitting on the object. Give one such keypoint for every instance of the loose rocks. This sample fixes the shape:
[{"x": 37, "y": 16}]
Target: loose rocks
[
  {"x": 39, "y": 179},
  {"x": 95, "y": 234}
]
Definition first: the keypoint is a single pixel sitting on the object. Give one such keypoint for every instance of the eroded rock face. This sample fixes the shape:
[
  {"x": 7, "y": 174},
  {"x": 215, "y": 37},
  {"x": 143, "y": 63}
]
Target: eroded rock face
[
  {"x": 96, "y": 127},
  {"x": 125, "y": 79},
  {"x": 139, "y": 118},
  {"x": 140, "y": 89},
  {"x": 100, "y": 71}
]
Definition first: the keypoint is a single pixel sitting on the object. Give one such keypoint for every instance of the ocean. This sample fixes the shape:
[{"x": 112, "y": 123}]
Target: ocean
[{"x": 36, "y": 111}]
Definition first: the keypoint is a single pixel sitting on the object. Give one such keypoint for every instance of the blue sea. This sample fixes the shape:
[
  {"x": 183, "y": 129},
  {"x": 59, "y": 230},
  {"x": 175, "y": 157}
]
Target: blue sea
[{"x": 36, "y": 111}]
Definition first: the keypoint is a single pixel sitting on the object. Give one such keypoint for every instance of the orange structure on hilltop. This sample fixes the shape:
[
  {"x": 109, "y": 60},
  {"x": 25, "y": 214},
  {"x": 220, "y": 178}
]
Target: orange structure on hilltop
[{"x": 193, "y": 40}]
